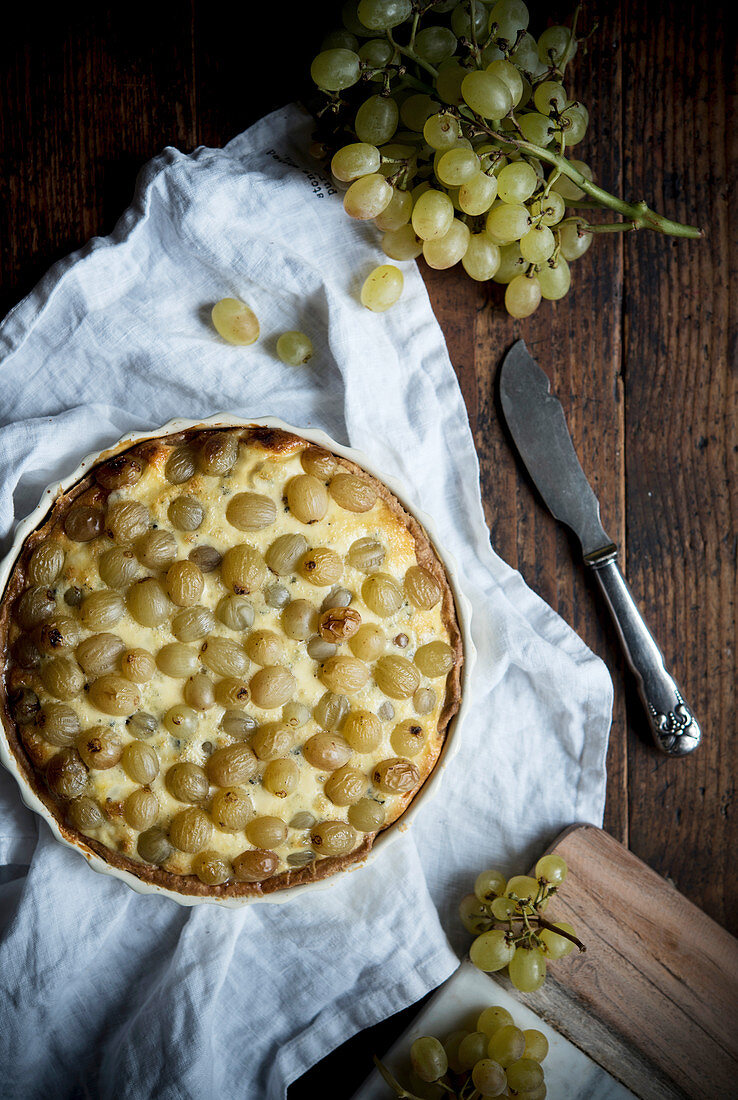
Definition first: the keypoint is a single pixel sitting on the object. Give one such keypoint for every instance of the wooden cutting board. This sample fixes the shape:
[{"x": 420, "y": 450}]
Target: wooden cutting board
[{"x": 654, "y": 999}]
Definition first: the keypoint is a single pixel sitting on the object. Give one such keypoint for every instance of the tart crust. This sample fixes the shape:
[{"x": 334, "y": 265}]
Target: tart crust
[{"x": 275, "y": 442}]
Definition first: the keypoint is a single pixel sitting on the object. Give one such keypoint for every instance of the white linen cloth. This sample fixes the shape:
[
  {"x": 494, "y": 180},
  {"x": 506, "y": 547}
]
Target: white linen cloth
[{"x": 107, "y": 993}]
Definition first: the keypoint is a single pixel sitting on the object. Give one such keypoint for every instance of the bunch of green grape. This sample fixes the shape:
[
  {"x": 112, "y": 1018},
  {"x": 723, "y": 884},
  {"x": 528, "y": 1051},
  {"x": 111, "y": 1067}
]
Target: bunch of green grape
[
  {"x": 506, "y": 916},
  {"x": 492, "y": 1057},
  {"x": 447, "y": 103}
]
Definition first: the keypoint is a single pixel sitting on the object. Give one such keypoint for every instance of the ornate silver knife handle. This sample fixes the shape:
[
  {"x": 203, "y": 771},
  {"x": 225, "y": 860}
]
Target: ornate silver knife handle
[{"x": 674, "y": 727}]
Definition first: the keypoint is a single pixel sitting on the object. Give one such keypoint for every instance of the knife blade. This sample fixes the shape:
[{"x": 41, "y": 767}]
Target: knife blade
[{"x": 538, "y": 426}]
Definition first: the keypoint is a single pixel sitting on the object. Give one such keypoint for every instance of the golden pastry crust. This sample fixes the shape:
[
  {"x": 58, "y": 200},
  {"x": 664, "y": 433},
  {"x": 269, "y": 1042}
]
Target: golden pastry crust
[{"x": 29, "y": 750}]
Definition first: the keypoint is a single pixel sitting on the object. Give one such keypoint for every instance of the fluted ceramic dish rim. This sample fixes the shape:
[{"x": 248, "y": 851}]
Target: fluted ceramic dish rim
[{"x": 463, "y": 613}]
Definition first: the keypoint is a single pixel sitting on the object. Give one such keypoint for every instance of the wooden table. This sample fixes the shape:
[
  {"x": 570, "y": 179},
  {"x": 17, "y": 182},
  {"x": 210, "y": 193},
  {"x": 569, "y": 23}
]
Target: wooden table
[{"x": 642, "y": 352}]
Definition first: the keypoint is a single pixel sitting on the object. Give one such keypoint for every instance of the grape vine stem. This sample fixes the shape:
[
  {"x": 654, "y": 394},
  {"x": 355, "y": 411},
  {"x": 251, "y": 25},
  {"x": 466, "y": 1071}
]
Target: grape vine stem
[
  {"x": 412, "y": 55},
  {"x": 638, "y": 214}
]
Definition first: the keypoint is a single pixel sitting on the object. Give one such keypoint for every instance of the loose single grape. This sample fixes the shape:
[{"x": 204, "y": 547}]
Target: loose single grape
[
  {"x": 486, "y": 94},
  {"x": 457, "y": 166},
  {"x": 474, "y": 916},
  {"x": 492, "y": 1019},
  {"x": 552, "y": 869},
  {"x": 508, "y": 222},
  {"x": 397, "y": 212},
  {"x": 472, "y": 1049},
  {"x": 402, "y": 243},
  {"x": 517, "y": 182},
  {"x": 334, "y": 70},
  {"x": 477, "y": 194},
  {"x": 442, "y": 131},
  {"x": 537, "y": 128},
  {"x": 358, "y": 159},
  {"x": 367, "y": 197},
  {"x": 506, "y": 1045},
  {"x": 451, "y": 76},
  {"x": 481, "y": 259},
  {"x": 527, "y": 969},
  {"x": 536, "y": 1045},
  {"x": 428, "y": 1058},
  {"x": 537, "y": 244},
  {"x": 432, "y": 215},
  {"x": 508, "y": 74},
  {"x": 235, "y": 321},
  {"x": 557, "y": 947},
  {"x": 435, "y": 44},
  {"x": 383, "y": 15},
  {"x": 511, "y": 263},
  {"x": 550, "y": 97},
  {"x": 491, "y": 951},
  {"x": 446, "y": 251},
  {"x": 554, "y": 44},
  {"x": 376, "y": 120},
  {"x": 382, "y": 287},
  {"x": 489, "y": 885},
  {"x": 489, "y": 1077},
  {"x": 573, "y": 244},
  {"x": 294, "y": 348},
  {"x": 523, "y": 296}
]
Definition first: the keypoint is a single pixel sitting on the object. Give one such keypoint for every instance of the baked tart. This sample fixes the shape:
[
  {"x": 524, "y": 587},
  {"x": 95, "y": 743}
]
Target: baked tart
[{"x": 230, "y": 658}]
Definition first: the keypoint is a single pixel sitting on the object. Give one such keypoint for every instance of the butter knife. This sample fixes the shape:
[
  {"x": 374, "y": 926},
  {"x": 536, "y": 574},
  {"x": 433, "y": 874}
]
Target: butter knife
[{"x": 538, "y": 427}]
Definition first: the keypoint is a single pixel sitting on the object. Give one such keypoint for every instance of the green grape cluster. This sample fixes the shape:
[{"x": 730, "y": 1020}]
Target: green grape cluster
[
  {"x": 489, "y": 1057},
  {"x": 506, "y": 916},
  {"x": 455, "y": 131}
]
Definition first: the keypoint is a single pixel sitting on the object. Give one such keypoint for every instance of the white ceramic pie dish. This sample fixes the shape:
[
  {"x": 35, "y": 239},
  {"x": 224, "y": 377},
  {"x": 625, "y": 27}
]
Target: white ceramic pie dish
[{"x": 463, "y": 610}]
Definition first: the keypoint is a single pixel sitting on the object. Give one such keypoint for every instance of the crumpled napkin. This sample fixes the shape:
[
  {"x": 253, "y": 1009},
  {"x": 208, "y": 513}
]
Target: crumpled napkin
[{"x": 108, "y": 993}]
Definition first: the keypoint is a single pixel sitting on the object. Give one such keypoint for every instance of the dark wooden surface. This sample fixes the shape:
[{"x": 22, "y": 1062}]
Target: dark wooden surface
[{"x": 642, "y": 353}]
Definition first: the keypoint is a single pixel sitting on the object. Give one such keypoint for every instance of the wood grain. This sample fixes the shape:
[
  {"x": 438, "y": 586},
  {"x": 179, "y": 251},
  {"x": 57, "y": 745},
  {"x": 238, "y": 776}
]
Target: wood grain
[
  {"x": 578, "y": 343},
  {"x": 680, "y": 396},
  {"x": 642, "y": 352},
  {"x": 654, "y": 999}
]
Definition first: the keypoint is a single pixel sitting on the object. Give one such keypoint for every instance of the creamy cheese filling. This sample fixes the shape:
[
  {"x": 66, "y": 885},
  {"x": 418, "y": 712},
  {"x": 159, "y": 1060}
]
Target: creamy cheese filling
[{"x": 338, "y": 529}]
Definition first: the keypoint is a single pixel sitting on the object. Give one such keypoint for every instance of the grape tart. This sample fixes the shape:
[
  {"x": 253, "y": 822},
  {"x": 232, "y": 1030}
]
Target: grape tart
[{"x": 230, "y": 661}]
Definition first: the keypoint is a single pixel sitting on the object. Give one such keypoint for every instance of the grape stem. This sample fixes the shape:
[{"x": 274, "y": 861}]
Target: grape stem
[
  {"x": 566, "y": 57},
  {"x": 637, "y": 213},
  {"x": 396, "y": 1087},
  {"x": 605, "y": 227},
  {"x": 540, "y": 922},
  {"x": 412, "y": 55},
  {"x": 414, "y": 29},
  {"x": 543, "y": 923}
]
